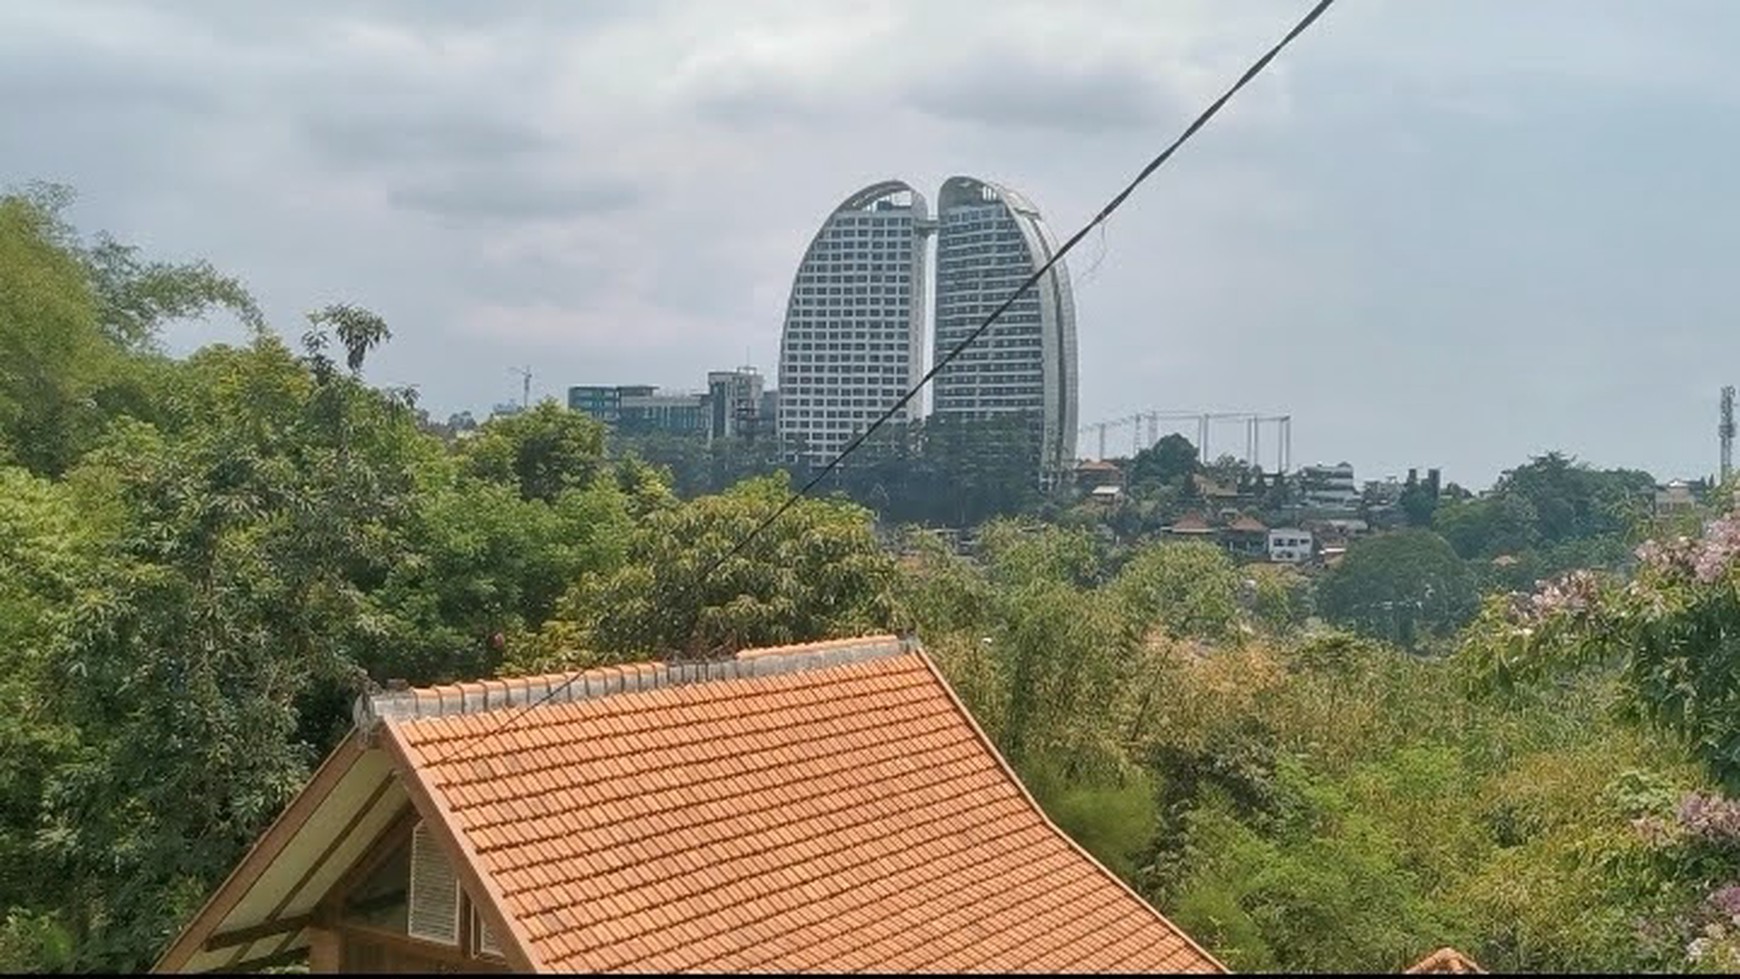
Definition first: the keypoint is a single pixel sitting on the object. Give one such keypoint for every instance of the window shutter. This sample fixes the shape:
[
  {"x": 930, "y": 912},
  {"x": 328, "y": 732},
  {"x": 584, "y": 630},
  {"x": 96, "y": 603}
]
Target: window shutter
[
  {"x": 482, "y": 939},
  {"x": 434, "y": 897}
]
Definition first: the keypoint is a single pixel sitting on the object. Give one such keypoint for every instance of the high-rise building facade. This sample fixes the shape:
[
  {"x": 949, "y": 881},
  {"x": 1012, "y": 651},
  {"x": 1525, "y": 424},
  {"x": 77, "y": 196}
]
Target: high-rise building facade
[
  {"x": 853, "y": 341},
  {"x": 989, "y": 240}
]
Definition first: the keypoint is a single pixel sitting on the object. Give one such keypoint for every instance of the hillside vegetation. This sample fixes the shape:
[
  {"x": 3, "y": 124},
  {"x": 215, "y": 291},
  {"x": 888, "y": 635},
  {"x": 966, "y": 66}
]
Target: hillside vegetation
[{"x": 203, "y": 560}]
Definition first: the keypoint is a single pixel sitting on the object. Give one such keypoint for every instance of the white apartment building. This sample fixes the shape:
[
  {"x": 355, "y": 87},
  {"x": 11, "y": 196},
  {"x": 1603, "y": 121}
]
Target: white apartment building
[
  {"x": 854, "y": 324},
  {"x": 989, "y": 241}
]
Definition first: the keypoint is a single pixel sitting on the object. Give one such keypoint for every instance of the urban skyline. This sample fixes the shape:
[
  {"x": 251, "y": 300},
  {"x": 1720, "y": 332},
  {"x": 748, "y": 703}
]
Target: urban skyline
[
  {"x": 855, "y": 332},
  {"x": 476, "y": 212}
]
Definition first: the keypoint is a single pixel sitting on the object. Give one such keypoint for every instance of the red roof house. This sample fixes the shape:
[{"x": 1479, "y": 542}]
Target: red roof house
[
  {"x": 826, "y": 807},
  {"x": 1191, "y": 524}
]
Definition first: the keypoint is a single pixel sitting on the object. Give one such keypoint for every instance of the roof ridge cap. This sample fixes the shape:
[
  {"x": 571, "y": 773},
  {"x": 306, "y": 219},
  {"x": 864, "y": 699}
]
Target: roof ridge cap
[{"x": 482, "y": 696}]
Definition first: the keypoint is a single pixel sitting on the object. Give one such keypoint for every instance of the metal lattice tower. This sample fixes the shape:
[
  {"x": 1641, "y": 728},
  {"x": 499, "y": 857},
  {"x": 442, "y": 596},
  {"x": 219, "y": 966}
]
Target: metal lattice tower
[
  {"x": 1725, "y": 432},
  {"x": 525, "y": 376}
]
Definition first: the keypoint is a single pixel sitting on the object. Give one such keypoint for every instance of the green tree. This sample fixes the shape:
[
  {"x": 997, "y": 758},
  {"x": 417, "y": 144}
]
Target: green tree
[
  {"x": 1168, "y": 462},
  {"x": 1020, "y": 552},
  {"x": 1401, "y": 587},
  {"x": 1418, "y": 502},
  {"x": 1186, "y": 590},
  {"x": 971, "y": 470},
  {"x": 1281, "y": 598},
  {"x": 78, "y": 325},
  {"x": 53, "y": 355},
  {"x": 1487, "y": 528},
  {"x": 1572, "y": 500},
  {"x": 136, "y": 296},
  {"x": 543, "y": 452},
  {"x": 1230, "y": 470},
  {"x": 816, "y": 572},
  {"x": 47, "y": 554}
]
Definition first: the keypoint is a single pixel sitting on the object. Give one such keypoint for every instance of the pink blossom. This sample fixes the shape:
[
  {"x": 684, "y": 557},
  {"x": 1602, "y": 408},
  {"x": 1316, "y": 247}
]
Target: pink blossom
[
  {"x": 1670, "y": 557},
  {"x": 1573, "y": 594},
  {"x": 1726, "y": 900},
  {"x": 1721, "y": 544},
  {"x": 1710, "y": 817}
]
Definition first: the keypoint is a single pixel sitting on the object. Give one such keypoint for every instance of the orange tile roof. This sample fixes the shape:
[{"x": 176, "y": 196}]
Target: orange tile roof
[
  {"x": 1446, "y": 961},
  {"x": 830, "y": 807},
  {"x": 1190, "y": 523}
]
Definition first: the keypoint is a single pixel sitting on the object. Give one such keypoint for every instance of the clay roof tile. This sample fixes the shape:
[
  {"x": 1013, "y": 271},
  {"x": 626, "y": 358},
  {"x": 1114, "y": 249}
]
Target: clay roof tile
[{"x": 807, "y": 807}]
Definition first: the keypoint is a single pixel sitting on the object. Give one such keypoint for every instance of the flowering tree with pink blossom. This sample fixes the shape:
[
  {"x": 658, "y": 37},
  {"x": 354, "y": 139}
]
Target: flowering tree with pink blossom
[{"x": 1672, "y": 629}]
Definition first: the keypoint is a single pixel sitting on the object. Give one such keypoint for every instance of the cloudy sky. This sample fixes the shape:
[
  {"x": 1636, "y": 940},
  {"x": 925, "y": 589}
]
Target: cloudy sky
[{"x": 1438, "y": 232}]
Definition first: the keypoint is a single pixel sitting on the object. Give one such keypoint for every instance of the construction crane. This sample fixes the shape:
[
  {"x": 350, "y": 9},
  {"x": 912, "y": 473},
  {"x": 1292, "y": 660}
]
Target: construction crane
[
  {"x": 1725, "y": 433},
  {"x": 1205, "y": 421}
]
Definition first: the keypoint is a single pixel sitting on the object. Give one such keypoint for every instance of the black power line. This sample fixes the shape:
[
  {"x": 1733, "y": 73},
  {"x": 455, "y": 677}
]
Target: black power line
[{"x": 1105, "y": 212}]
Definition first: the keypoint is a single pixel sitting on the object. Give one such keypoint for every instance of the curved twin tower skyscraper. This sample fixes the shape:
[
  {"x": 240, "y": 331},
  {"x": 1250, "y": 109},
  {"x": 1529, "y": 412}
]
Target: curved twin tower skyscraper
[{"x": 854, "y": 338}]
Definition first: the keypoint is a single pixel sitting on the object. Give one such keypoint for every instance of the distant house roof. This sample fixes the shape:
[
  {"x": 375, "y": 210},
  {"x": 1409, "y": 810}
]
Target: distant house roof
[
  {"x": 1445, "y": 961},
  {"x": 1097, "y": 465},
  {"x": 1245, "y": 524},
  {"x": 1190, "y": 523},
  {"x": 1106, "y": 491},
  {"x": 829, "y": 807},
  {"x": 1505, "y": 560}
]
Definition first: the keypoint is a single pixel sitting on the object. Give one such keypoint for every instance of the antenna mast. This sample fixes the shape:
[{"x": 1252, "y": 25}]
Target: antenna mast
[
  {"x": 525, "y": 375},
  {"x": 1725, "y": 432}
]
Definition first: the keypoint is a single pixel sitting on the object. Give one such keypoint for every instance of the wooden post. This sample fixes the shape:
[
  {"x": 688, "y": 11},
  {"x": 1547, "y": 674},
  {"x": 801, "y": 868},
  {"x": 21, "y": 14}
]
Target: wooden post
[{"x": 323, "y": 951}]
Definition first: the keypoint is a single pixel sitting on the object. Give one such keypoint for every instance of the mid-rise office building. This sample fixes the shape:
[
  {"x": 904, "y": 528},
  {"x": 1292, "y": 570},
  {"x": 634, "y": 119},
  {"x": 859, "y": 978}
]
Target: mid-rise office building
[
  {"x": 734, "y": 400},
  {"x": 989, "y": 241},
  {"x": 641, "y": 408},
  {"x": 677, "y": 413},
  {"x": 604, "y": 401},
  {"x": 853, "y": 341}
]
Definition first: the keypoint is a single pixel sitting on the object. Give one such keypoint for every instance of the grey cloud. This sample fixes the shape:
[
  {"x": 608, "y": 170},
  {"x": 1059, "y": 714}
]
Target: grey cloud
[
  {"x": 751, "y": 105},
  {"x": 416, "y": 137},
  {"x": 742, "y": 96},
  {"x": 59, "y": 84},
  {"x": 1013, "y": 91},
  {"x": 275, "y": 21},
  {"x": 547, "y": 13},
  {"x": 529, "y": 280},
  {"x": 507, "y": 196}
]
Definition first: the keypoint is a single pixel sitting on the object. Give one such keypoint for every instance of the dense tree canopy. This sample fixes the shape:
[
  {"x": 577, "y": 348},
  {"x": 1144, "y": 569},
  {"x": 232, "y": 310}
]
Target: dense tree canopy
[
  {"x": 232, "y": 547},
  {"x": 1168, "y": 462},
  {"x": 1400, "y": 587},
  {"x": 685, "y": 586}
]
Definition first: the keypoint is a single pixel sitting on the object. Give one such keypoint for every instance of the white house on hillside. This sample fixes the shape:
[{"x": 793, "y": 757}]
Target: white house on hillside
[{"x": 1289, "y": 545}]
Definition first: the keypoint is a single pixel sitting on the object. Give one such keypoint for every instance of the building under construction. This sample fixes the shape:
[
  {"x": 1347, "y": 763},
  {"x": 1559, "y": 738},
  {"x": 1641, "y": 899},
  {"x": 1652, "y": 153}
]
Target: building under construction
[{"x": 1144, "y": 429}]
